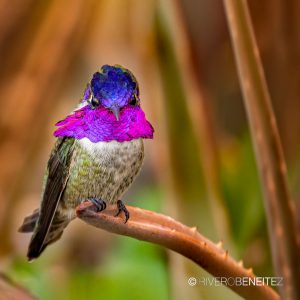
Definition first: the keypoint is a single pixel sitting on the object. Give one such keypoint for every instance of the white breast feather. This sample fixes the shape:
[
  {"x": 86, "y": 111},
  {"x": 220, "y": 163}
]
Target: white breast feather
[{"x": 100, "y": 146}]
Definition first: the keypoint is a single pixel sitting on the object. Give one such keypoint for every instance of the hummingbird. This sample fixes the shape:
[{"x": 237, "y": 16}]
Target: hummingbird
[{"x": 98, "y": 153}]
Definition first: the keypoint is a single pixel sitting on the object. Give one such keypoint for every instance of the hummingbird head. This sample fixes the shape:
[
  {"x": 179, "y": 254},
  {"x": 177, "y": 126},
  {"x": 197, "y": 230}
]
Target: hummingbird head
[
  {"x": 110, "y": 109},
  {"x": 113, "y": 88}
]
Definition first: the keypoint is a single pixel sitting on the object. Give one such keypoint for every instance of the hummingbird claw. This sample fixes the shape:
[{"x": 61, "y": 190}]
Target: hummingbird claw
[
  {"x": 122, "y": 208},
  {"x": 99, "y": 204}
]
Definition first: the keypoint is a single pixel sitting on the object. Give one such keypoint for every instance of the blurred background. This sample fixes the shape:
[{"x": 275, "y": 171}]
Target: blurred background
[{"x": 200, "y": 167}]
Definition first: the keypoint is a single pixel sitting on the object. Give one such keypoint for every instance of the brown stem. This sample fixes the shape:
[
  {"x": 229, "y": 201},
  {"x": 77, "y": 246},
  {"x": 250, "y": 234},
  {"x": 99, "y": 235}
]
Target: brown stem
[
  {"x": 270, "y": 159},
  {"x": 162, "y": 230}
]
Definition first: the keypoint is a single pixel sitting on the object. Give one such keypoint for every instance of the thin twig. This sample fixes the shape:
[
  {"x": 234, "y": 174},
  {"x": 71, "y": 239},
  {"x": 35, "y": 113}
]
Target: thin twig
[
  {"x": 162, "y": 230},
  {"x": 272, "y": 168}
]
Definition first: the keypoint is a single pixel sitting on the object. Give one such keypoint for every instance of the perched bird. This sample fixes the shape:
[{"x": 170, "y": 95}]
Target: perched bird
[{"x": 98, "y": 154}]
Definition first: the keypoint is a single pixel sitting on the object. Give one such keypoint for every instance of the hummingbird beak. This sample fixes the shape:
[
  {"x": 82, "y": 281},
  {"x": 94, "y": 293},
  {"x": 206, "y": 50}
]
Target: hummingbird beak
[{"x": 116, "y": 111}]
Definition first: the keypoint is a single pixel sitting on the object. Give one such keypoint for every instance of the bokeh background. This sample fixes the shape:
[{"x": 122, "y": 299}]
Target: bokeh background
[{"x": 199, "y": 169}]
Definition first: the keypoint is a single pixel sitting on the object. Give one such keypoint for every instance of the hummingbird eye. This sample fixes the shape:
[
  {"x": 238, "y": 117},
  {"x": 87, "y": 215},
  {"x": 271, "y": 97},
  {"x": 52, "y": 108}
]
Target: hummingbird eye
[
  {"x": 93, "y": 102},
  {"x": 134, "y": 101}
]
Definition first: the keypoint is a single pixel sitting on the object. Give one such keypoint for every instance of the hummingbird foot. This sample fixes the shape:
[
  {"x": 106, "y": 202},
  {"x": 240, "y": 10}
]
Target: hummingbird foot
[
  {"x": 99, "y": 204},
  {"x": 122, "y": 208}
]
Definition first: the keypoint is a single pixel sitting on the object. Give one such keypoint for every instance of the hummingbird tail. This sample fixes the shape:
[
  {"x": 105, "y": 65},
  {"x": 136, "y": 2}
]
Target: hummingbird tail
[
  {"x": 39, "y": 243},
  {"x": 30, "y": 222}
]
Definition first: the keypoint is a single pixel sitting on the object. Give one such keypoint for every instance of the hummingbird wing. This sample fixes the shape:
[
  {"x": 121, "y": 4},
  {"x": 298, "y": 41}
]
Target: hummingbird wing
[{"x": 58, "y": 173}]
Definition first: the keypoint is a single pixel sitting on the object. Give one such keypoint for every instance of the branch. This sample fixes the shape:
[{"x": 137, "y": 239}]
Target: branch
[
  {"x": 162, "y": 230},
  {"x": 269, "y": 155}
]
